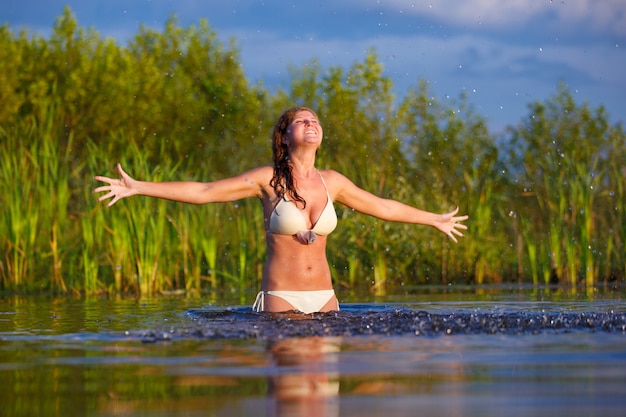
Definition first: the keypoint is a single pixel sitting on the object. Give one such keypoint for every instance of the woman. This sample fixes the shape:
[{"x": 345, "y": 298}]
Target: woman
[{"x": 297, "y": 202}]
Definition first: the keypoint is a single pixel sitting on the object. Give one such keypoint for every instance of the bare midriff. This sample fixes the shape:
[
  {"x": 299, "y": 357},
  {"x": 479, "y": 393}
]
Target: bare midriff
[{"x": 293, "y": 266}]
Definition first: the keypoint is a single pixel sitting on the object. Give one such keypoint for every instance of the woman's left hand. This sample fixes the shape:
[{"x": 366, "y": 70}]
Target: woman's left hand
[{"x": 450, "y": 225}]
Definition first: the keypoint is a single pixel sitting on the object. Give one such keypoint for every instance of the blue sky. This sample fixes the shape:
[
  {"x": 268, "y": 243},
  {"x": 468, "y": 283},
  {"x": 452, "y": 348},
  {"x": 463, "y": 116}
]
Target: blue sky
[{"x": 503, "y": 53}]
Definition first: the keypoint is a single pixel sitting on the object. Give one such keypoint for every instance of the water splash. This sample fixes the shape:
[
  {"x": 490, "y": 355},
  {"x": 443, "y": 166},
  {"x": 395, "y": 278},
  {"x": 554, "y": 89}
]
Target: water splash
[{"x": 243, "y": 324}]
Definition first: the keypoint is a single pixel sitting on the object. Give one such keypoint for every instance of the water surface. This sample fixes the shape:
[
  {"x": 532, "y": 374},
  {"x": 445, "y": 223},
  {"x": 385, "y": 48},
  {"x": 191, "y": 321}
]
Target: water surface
[{"x": 470, "y": 353}]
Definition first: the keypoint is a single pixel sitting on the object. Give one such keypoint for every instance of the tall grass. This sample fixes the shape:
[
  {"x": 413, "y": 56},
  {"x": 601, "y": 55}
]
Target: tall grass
[
  {"x": 20, "y": 212},
  {"x": 209, "y": 251},
  {"x": 379, "y": 261},
  {"x": 191, "y": 268},
  {"x": 36, "y": 175},
  {"x": 57, "y": 237},
  {"x": 588, "y": 178},
  {"x": 139, "y": 235},
  {"x": 148, "y": 246}
]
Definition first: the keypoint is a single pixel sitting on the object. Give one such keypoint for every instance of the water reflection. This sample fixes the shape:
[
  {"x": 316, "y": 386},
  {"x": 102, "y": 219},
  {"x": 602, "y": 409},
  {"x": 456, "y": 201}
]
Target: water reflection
[{"x": 306, "y": 377}]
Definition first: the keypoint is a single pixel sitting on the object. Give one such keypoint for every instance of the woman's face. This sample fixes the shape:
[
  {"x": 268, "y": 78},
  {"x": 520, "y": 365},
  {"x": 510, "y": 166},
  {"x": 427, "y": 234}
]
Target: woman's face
[{"x": 305, "y": 128}]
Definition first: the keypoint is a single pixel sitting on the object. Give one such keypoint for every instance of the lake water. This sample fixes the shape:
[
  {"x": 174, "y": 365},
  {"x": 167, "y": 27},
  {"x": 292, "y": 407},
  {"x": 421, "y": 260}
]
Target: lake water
[{"x": 435, "y": 352}]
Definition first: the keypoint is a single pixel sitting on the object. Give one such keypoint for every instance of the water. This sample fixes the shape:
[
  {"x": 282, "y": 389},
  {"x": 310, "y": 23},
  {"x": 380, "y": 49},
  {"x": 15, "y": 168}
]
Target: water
[{"x": 435, "y": 353}]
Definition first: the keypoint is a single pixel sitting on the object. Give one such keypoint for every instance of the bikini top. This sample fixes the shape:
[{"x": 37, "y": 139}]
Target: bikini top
[{"x": 287, "y": 219}]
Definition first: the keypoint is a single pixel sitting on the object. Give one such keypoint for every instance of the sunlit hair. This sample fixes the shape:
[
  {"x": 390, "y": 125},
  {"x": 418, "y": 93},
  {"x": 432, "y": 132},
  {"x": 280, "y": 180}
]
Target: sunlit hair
[{"x": 282, "y": 181}]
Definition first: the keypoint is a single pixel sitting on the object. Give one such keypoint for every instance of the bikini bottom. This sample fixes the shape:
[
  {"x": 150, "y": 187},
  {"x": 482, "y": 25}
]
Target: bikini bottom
[{"x": 305, "y": 301}]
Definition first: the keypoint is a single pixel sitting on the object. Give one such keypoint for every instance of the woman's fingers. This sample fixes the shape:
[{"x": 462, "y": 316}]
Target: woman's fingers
[{"x": 110, "y": 189}]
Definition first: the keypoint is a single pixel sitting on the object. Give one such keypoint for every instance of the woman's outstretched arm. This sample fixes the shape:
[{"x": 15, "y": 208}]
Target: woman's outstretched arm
[
  {"x": 386, "y": 209},
  {"x": 246, "y": 185}
]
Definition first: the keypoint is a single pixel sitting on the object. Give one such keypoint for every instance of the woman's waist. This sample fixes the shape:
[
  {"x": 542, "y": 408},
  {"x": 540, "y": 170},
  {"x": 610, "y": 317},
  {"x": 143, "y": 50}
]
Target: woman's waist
[
  {"x": 293, "y": 276},
  {"x": 293, "y": 266}
]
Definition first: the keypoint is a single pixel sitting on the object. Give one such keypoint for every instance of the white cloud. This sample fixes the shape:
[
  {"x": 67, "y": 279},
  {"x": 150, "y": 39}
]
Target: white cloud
[
  {"x": 600, "y": 15},
  {"x": 500, "y": 78}
]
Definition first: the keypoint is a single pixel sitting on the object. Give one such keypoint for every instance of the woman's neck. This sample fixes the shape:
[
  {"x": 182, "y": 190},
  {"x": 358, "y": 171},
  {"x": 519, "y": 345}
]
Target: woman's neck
[
  {"x": 304, "y": 176},
  {"x": 302, "y": 166}
]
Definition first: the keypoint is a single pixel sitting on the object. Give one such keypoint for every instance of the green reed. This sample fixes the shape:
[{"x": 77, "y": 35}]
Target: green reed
[
  {"x": 589, "y": 182},
  {"x": 54, "y": 174},
  {"x": 146, "y": 228},
  {"x": 151, "y": 245},
  {"x": 94, "y": 227},
  {"x": 36, "y": 173},
  {"x": 190, "y": 270},
  {"x": 117, "y": 255},
  {"x": 209, "y": 249},
  {"x": 616, "y": 218},
  {"x": 555, "y": 202},
  {"x": 243, "y": 231},
  {"x": 379, "y": 263},
  {"x": 245, "y": 226},
  {"x": 20, "y": 214},
  {"x": 345, "y": 271},
  {"x": 91, "y": 235},
  {"x": 52, "y": 226},
  {"x": 478, "y": 250}
]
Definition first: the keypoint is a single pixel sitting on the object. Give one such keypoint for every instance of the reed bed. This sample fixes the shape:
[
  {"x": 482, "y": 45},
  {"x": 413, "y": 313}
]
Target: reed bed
[{"x": 56, "y": 236}]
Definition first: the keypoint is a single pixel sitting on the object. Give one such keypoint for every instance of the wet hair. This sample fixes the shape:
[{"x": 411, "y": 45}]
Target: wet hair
[{"x": 282, "y": 181}]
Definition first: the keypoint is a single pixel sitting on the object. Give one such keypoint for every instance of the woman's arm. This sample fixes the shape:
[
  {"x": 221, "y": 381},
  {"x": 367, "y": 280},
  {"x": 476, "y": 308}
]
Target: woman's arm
[
  {"x": 386, "y": 209},
  {"x": 248, "y": 184}
]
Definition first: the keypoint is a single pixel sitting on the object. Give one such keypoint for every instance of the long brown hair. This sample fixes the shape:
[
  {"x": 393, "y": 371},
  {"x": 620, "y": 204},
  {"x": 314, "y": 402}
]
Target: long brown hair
[{"x": 282, "y": 181}]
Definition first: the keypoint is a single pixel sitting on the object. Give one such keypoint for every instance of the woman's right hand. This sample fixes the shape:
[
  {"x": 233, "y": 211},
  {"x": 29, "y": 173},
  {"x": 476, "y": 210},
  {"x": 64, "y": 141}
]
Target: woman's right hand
[{"x": 117, "y": 188}]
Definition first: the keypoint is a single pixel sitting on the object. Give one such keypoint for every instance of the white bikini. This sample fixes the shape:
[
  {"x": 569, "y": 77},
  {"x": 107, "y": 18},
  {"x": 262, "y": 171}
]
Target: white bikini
[
  {"x": 287, "y": 219},
  {"x": 304, "y": 301}
]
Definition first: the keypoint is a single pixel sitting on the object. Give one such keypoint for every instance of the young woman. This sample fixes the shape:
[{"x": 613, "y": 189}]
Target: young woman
[{"x": 297, "y": 202}]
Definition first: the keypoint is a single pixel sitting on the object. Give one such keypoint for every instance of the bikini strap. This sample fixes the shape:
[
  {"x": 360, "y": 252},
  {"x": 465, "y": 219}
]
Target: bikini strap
[
  {"x": 259, "y": 304},
  {"x": 325, "y": 187}
]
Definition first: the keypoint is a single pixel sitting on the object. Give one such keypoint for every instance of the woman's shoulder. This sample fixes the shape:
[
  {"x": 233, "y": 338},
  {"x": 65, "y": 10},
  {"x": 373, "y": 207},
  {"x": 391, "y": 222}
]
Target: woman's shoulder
[
  {"x": 336, "y": 182},
  {"x": 261, "y": 177},
  {"x": 261, "y": 174},
  {"x": 332, "y": 176}
]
